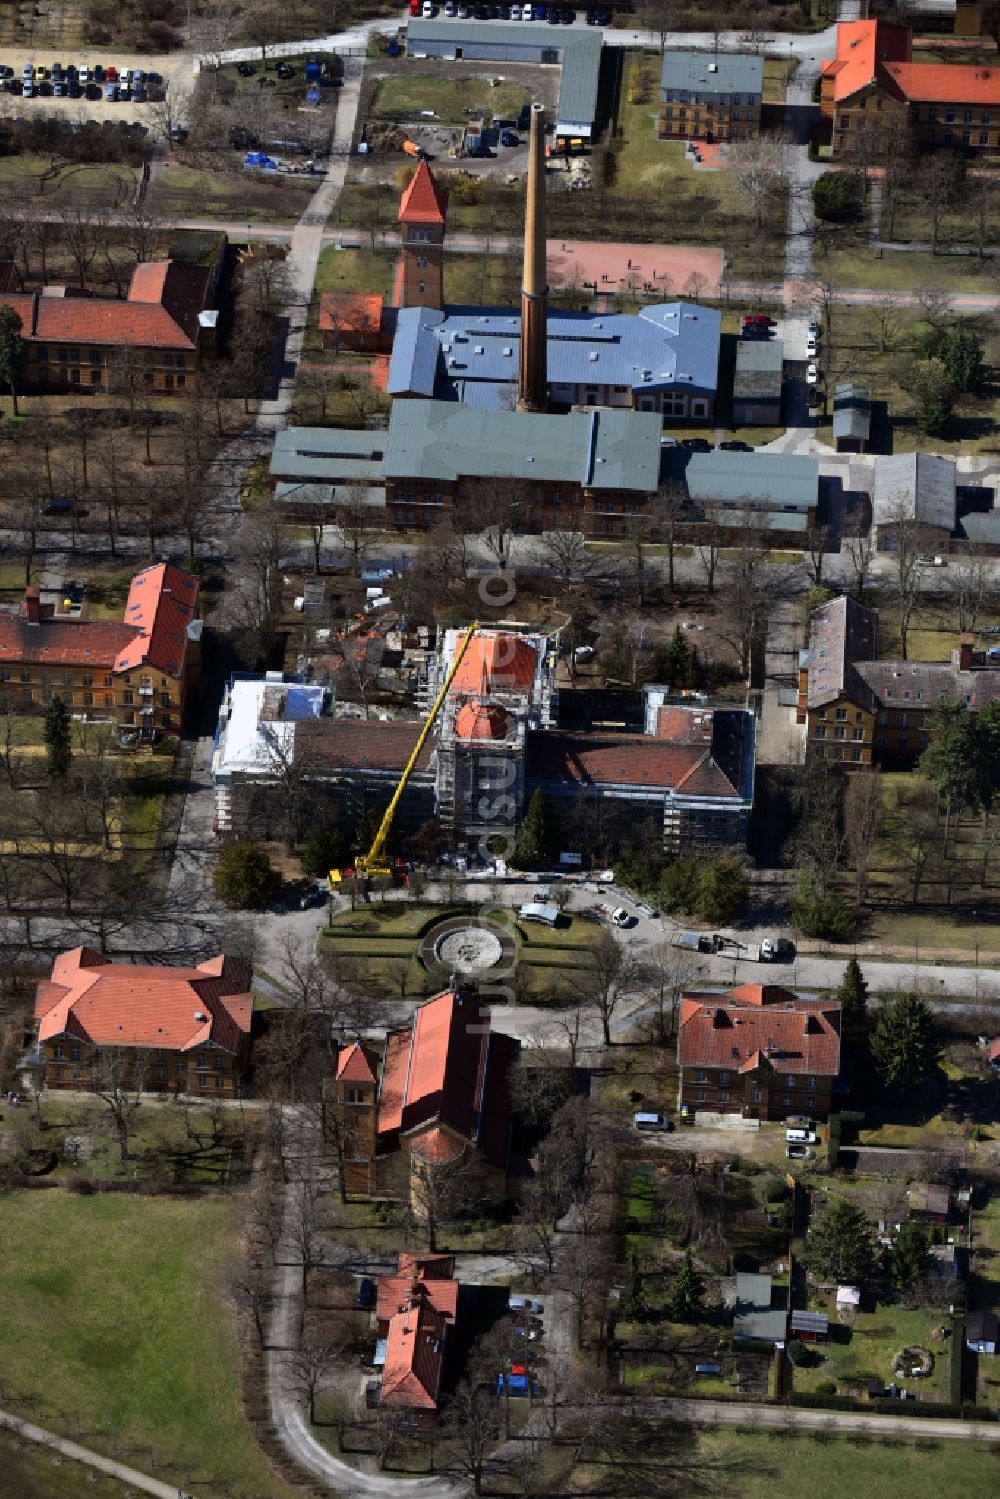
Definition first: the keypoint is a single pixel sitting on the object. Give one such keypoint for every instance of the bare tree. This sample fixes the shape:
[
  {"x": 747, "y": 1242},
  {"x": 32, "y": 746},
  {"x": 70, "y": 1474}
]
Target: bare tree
[
  {"x": 302, "y": 1230},
  {"x": 567, "y": 557},
  {"x": 493, "y": 509},
  {"x": 970, "y": 584},
  {"x": 256, "y": 598},
  {"x": 760, "y": 167},
  {"x": 908, "y": 562},
  {"x": 748, "y": 597},
  {"x": 667, "y": 973},
  {"x": 886, "y": 310},
  {"x": 356, "y": 523},
  {"x": 711, "y": 540},
  {"x": 817, "y": 546},
  {"x": 608, "y": 975},
  {"x": 668, "y": 514},
  {"x": 863, "y": 816},
  {"x": 858, "y": 538},
  {"x": 310, "y": 1366},
  {"x": 118, "y": 1076}
]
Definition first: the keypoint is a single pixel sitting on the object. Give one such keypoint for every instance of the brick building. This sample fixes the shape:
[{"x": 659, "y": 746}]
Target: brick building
[
  {"x": 74, "y": 340},
  {"x": 877, "y": 99},
  {"x": 415, "y": 1310},
  {"x": 420, "y": 267},
  {"x": 356, "y": 1087},
  {"x": 860, "y": 710},
  {"x": 135, "y": 674},
  {"x": 759, "y": 1051},
  {"x": 179, "y": 1030}
]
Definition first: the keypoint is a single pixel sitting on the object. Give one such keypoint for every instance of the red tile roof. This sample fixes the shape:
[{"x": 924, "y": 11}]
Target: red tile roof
[
  {"x": 425, "y": 1266},
  {"x": 414, "y": 1358},
  {"x": 760, "y": 1025},
  {"x": 357, "y": 1064},
  {"x": 351, "y": 312},
  {"x": 482, "y": 721},
  {"x": 398, "y": 1293},
  {"x": 162, "y": 602},
  {"x": 945, "y": 83},
  {"x": 447, "y": 1067},
  {"x": 125, "y": 1004},
  {"x": 862, "y": 46},
  {"x": 993, "y": 1051},
  {"x": 435, "y": 1145},
  {"x": 627, "y": 759},
  {"x": 496, "y": 662},
  {"x": 344, "y": 743},
  {"x": 425, "y": 200},
  {"x": 161, "y": 311}
]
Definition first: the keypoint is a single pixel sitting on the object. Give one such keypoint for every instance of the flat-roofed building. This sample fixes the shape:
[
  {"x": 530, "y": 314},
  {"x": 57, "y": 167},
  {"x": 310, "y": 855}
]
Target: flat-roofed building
[
  {"x": 710, "y": 96},
  {"x": 757, "y": 382}
]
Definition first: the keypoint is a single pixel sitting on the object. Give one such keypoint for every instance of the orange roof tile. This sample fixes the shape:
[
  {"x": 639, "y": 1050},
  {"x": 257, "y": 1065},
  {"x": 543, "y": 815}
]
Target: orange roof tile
[
  {"x": 425, "y": 200},
  {"x": 397, "y": 1293},
  {"x": 162, "y": 602},
  {"x": 164, "y": 300},
  {"x": 758, "y": 1025},
  {"x": 352, "y": 312},
  {"x": 414, "y": 1358},
  {"x": 62, "y": 641},
  {"x": 861, "y": 47},
  {"x": 357, "y": 1064},
  {"x": 496, "y": 662},
  {"x": 946, "y": 83},
  {"x": 436, "y": 1145},
  {"x": 125, "y": 1004},
  {"x": 482, "y": 721},
  {"x": 425, "y": 1266}
]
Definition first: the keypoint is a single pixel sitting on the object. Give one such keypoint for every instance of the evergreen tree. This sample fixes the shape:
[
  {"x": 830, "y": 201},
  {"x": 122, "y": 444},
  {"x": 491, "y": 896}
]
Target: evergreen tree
[
  {"x": 533, "y": 843},
  {"x": 687, "y": 1294},
  {"x": 244, "y": 876},
  {"x": 840, "y": 1245},
  {"x": 722, "y": 889},
  {"x": 852, "y": 992},
  {"x": 904, "y": 1046},
  {"x": 325, "y": 849},
  {"x": 56, "y": 733},
  {"x": 676, "y": 660},
  {"x": 12, "y": 352},
  {"x": 908, "y": 1257}
]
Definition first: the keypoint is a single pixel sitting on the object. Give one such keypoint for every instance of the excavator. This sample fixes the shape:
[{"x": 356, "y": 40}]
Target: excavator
[{"x": 373, "y": 865}]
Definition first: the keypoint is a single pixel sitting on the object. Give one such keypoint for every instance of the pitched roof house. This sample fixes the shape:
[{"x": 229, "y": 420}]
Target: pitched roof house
[
  {"x": 187, "y": 1028},
  {"x": 414, "y": 1310},
  {"x": 444, "y": 1084},
  {"x": 135, "y": 674},
  {"x": 758, "y": 1050}
]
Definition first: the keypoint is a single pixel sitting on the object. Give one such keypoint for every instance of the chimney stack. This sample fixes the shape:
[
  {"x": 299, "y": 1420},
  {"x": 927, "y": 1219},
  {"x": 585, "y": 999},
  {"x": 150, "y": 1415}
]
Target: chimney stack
[
  {"x": 31, "y": 608},
  {"x": 532, "y": 390}
]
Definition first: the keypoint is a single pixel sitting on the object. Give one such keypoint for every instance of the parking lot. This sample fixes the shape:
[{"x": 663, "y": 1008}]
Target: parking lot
[{"x": 171, "y": 75}]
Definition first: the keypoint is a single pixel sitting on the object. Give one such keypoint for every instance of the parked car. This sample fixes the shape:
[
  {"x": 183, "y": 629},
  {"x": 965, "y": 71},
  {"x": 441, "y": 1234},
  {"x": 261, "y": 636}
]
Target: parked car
[
  {"x": 62, "y": 505},
  {"x": 285, "y": 69},
  {"x": 622, "y": 918},
  {"x": 697, "y": 444},
  {"x": 733, "y": 445},
  {"x": 812, "y": 374},
  {"x": 655, "y": 1123},
  {"x": 111, "y": 92},
  {"x": 813, "y": 329},
  {"x": 798, "y": 1152},
  {"x": 525, "y": 1304},
  {"x": 245, "y": 69},
  {"x": 811, "y": 348},
  {"x": 28, "y": 88},
  {"x": 776, "y": 950},
  {"x": 83, "y": 76},
  {"x": 28, "y": 72},
  {"x": 366, "y": 1291}
]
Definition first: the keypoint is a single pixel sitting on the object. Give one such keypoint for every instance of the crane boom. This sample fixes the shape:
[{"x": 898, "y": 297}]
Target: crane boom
[{"x": 372, "y": 863}]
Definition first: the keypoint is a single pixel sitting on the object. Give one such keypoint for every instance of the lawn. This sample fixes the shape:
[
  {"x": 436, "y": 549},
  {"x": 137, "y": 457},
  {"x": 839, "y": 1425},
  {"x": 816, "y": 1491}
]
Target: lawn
[
  {"x": 32, "y": 1472},
  {"x": 451, "y": 98},
  {"x": 866, "y": 1351},
  {"x": 181, "y": 192},
  {"x": 114, "y": 1329},
  {"x": 107, "y": 185},
  {"x": 850, "y": 263}
]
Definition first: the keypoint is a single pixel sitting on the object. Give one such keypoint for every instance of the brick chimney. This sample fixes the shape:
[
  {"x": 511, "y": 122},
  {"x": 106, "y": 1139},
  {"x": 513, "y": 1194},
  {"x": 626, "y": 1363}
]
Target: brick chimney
[
  {"x": 532, "y": 385},
  {"x": 31, "y": 606},
  {"x": 965, "y": 652}
]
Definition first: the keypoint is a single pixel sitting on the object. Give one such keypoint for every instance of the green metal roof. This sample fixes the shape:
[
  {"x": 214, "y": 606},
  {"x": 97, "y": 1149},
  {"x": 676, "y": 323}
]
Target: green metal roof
[
  {"x": 442, "y": 440},
  {"x": 779, "y": 478},
  {"x": 328, "y": 454}
]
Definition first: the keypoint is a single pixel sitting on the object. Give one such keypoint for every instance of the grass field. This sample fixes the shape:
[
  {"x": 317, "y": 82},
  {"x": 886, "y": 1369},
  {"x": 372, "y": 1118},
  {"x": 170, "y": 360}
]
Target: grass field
[
  {"x": 108, "y": 185},
  {"x": 451, "y": 98},
  {"x": 129, "y": 1346},
  {"x": 31, "y": 1472},
  {"x": 867, "y": 1350},
  {"x": 181, "y": 192}
]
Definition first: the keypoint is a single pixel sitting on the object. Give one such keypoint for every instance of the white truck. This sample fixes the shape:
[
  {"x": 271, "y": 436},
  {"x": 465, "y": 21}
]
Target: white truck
[
  {"x": 770, "y": 950},
  {"x": 616, "y": 915}
]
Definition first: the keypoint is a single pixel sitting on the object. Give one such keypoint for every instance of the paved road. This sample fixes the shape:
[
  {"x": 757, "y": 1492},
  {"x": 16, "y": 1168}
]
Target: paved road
[
  {"x": 121, "y": 1471},
  {"x": 710, "y": 1412}
]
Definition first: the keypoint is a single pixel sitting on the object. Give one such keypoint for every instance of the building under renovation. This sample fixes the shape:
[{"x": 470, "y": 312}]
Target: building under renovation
[{"x": 686, "y": 780}]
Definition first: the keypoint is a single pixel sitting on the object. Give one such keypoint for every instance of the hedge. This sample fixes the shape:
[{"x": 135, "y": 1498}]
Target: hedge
[{"x": 957, "y": 1358}]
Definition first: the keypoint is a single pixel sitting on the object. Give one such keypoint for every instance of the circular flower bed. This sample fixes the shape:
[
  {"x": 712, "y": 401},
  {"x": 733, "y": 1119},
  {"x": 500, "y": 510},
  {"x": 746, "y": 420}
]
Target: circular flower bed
[
  {"x": 466, "y": 947},
  {"x": 913, "y": 1363}
]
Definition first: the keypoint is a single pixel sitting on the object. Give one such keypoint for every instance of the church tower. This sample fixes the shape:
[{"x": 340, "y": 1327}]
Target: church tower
[{"x": 420, "y": 268}]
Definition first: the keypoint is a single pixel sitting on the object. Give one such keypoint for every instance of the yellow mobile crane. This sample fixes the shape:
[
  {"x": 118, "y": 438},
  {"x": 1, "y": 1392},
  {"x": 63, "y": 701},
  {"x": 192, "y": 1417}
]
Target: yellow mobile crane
[{"x": 372, "y": 865}]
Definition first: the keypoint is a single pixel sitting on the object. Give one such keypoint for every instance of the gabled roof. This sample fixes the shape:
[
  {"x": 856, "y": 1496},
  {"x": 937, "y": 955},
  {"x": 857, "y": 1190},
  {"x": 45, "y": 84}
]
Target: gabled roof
[
  {"x": 398, "y": 1293},
  {"x": 161, "y": 311},
  {"x": 448, "y": 1069},
  {"x": 841, "y": 634},
  {"x": 62, "y": 641},
  {"x": 125, "y": 1004},
  {"x": 425, "y": 200},
  {"x": 414, "y": 1358},
  {"x": 162, "y": 602},
  {"x": 945, "y": 83},
  {"x": 688, "y": 766},
  {"x": 482, "y": 721},
  {"x": 862, "y": 47},
  {"x": 921, "y": 684},
  {"x": 915, "y": 486},
  {"x": 332, "y": 744},
  {"x": 351, "y": 312},
  {"x": 760, "y": 1025}
]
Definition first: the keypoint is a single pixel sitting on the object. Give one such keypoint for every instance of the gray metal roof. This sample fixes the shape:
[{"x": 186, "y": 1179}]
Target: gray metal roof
[
  {"x": 578, "y": 50},
  {"x": 333, "y": 455},
  {"x": 712, "y": 72},
  {"x": 443, "y": 440},
  {"x": 922, "y": 485},
  {"x": 759, "y": 366},
  {"x": 777, "y": 478},
  {"x": 313, "y": 496},
  {"x": 981, "y": 526},
  {"x": 470, "y": 354},
  {"x": 852, "y": 415},
  {"x": 810, "y": 1322}
]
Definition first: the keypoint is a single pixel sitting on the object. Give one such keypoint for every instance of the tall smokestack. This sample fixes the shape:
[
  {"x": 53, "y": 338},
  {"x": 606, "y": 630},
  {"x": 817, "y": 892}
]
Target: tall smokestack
[{"x": 533, "y": 390}]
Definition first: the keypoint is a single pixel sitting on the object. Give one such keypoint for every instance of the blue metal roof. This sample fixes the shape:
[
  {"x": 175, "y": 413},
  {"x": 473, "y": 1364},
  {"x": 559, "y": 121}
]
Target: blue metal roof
[
  {"x": 712, "y": 73},
  {"x": 449, "y": 354}
]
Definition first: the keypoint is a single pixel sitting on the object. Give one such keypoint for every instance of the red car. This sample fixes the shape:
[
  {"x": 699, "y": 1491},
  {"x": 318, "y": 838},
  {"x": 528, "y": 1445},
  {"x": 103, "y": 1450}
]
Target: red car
[
  {"x": 111, "y": 74},
  {"x": 415, "y": 7},
  {"x": 760, "y": 319}
]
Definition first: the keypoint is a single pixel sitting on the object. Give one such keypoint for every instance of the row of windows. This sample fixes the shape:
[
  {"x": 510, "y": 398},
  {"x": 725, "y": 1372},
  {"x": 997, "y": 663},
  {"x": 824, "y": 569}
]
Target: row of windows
[
  {"x": 202, "y": 1060},
  {"x": 701, "y": 1076},
  {"x": 839, "y": 733},
  {"x": 97, "y": 377},
  {"x": 733, "y": 114},
  {"x": 160, "y": 1076},
  {"x": 686, "y": 96},
  {"x": 86, "y": 679},
  {"x": 723, "y": 1097}
]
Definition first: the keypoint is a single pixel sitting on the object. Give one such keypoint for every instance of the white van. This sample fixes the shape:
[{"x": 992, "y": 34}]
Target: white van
[{"x": 800, "y": 1137}]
